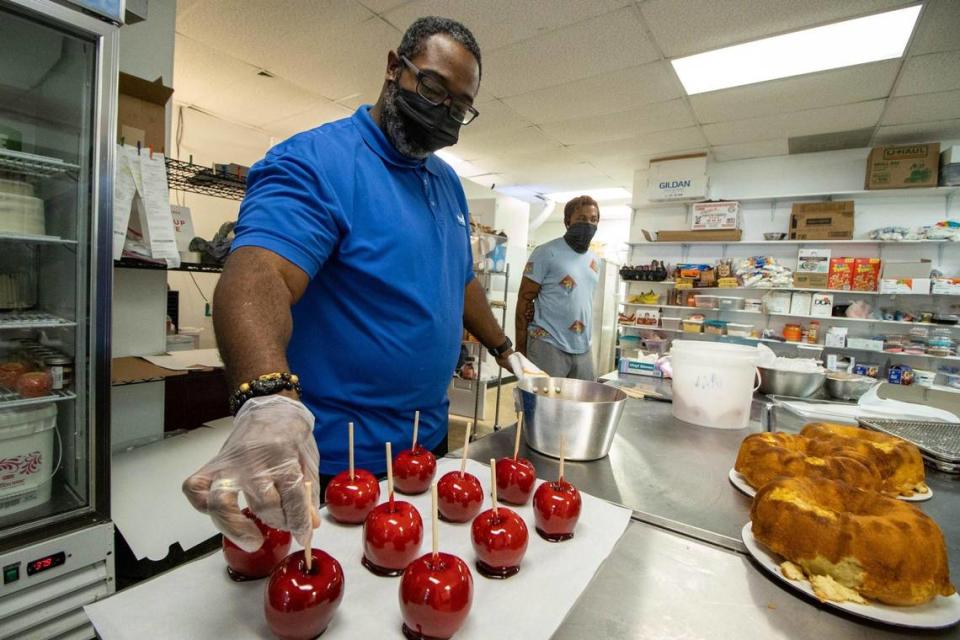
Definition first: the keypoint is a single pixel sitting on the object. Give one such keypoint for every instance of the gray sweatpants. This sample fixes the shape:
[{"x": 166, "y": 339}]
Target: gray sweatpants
[{"x": 560, "y": 364}]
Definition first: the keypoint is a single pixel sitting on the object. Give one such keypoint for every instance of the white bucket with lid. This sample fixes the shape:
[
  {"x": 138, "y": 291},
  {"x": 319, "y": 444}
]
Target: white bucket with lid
[
  {"x": 26, "y": 457},
  {"x": 713, "y": 383}
]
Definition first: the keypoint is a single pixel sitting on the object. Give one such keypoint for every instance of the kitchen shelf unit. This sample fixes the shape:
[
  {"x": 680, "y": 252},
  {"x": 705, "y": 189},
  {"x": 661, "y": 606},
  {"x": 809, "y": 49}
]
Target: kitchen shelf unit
[
  {"x": 127, "y": 263},
  {"x": 32, "y": 320},
  {"x": 34, "y": 166},
  {"x": 948, "y": 193},
  {"x": 195, "y": 178}
]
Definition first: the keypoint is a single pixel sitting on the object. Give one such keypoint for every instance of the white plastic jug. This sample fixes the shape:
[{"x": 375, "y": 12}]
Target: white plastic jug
[{"x": 713, "y": 383}]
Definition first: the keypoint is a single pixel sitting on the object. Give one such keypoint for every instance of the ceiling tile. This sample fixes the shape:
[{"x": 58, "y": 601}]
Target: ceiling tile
[
  {"x": 800, "y": 123},
  {"x": 382, "y": 6},
  {"x": 505, "y": 142},
  {"x": 497, "y": 23},
  {"x": 829, "y": 88},
  {"x": 674, "y": 114},
  {"x": 930, "y": 73},
  {"x": 619, "y": 90},
  {"x": 316, "y": 114},
  {"x": 926, "y": 107},
  {"x": 231, "y": 88},
  {"x": 919, "y": 132},
  {"x": 683, "y": 27},
  {"x": 612, "y": 41},
  {"x": 938, "y": 28},
  {"x": 636, "y": 149},
  {"x": 494, "y": 116},
  {"x": 746, "y": 150}
]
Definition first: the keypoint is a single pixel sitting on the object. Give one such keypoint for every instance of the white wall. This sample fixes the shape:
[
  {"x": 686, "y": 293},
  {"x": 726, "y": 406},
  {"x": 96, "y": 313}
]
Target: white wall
[
  {"x": 611, "y": 233},
  {"x": 208, "y": 140}
]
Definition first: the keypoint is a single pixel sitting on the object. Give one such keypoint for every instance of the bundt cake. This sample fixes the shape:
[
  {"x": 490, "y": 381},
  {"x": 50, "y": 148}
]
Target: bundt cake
[
  {"x": 898, "y": 461},
  {"x": 765, "y": 456},
  {"x": 882, "y": 548}
]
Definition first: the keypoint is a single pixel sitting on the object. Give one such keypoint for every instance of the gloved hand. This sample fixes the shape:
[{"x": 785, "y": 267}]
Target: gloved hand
[
  {"x": 523, "y": 368},
  {"x": 269, "y": 456}
]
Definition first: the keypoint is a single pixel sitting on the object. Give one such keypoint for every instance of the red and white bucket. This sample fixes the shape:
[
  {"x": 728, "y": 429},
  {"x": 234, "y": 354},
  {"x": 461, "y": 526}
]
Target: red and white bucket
[{"x": 26, "y": 457}]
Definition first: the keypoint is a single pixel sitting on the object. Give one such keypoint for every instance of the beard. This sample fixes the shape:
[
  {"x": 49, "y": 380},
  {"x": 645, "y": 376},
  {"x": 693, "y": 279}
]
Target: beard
[{"x": 404, "y": 137}]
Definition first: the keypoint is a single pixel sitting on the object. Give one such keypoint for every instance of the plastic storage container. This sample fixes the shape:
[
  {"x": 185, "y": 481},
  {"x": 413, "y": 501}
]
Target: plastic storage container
[
  {"x": 739, "y": 330},
  {"x": 715, "y": 327},
  {"x": 26, "y": 457},
  {"x": 706, "y": 302},
  {"x": 728, "y": 303},
  {"x": 713, "y": 383},
  {"x": 692, "y": 325},
  {"x": 670, "y": 323}
]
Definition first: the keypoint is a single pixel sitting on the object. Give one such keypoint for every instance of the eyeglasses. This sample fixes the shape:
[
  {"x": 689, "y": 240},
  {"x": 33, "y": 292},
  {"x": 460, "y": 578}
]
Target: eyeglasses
[{"x": 432, "y": 90}]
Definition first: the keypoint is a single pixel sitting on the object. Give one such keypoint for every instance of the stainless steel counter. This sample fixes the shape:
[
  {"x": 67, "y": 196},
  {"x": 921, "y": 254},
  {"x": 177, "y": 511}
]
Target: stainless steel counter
[{"x": 699, "y": 584}]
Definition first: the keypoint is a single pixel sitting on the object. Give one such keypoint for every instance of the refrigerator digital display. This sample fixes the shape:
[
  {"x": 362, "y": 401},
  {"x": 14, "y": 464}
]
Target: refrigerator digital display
[{"x": 46, "y": 562}]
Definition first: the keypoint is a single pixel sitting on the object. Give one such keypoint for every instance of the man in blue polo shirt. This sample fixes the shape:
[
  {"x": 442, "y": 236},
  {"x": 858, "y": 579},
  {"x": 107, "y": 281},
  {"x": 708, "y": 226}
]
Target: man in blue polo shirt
[{"x": 348, "y": 288}]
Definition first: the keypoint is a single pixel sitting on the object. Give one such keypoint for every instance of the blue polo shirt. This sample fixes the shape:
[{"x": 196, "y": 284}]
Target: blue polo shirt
[{"x": 385, "y": 241}]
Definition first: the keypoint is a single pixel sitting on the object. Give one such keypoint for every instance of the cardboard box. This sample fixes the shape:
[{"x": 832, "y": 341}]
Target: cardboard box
[
  {"x": 946, "y": 285},
  {"x": 821, "y": 305},
  {"x": 726, "y": 235},
  {"x": 822, "y": 220},
  {"x": 903, "y": 166},
  {"x": 800, "y": 303},
  {"x": 866, "y": 274},
  {"x": 678, "y": 178},
  {"x": 810, "y": 281},
  {"x": 777, "y": 302},
  {"x": 835, "y": 337},
  {"x": 840, "y": 277},
  {"x": 905, "y": 285},
  {"x": 715, "y": 215},
  {"x": 907, "y": 277},
  {"x": 950, "y": 155},
  {"x": 813, "y": 267},
  {"x": 141, "y": 112}
]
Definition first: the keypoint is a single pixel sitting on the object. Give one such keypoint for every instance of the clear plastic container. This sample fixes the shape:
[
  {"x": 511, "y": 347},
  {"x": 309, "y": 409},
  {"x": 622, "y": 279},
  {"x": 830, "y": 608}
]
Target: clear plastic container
[
  {"x": 739, "y": 330},
  {"x": 672, "y": 324},
  {"x": 706, "y": 302},
  {"x": 729, "y": 303}
]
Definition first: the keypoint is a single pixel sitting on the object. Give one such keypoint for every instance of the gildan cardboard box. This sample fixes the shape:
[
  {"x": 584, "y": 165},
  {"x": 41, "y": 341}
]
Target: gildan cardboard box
[
  {"x": 140, "y": 112},
  {"x": 903, "y": 166},
  {"x": 678, "y": 178},
  {"x": 813, "y": 267},
  {"x": 822, "y": 220}
]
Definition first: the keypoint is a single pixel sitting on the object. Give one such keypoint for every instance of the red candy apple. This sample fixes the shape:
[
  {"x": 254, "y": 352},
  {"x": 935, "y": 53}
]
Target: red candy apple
[
  {"x": 392, "y": 532},
  {"x": 515, "y": 480},
  {"x": 299, "y": 601},
  {"x": 460, "y": 496},
  {"x": 500, "y": 541},
  {"x": 556, "y": 509},
  {"x": 349, "y": 500},
  {"x": 436, "y": 593},
  {"x": 414, "y": 470},
  {"x": 245, "y": 565}
]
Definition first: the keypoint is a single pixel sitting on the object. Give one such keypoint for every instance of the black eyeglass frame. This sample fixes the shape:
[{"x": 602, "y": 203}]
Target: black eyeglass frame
[{"x": 447, "y": 100}]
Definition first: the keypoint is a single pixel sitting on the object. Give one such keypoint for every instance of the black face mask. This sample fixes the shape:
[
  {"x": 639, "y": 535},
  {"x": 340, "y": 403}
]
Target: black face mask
[
  {"x": 579, "y": 235},
  {"x": 429, "y": 125}
]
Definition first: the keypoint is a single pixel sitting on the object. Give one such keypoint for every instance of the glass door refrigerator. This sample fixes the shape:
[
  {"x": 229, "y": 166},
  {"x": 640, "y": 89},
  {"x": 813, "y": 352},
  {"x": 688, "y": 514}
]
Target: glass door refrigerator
[{"x": 58, "y": 71}]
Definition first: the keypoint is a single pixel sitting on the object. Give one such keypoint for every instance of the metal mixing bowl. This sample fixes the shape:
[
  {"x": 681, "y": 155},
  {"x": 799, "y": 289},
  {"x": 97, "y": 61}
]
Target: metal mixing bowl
[
  {"x": 848, "y": 386},
  {"x": 799, "y": 384},
  {"x": 585, "y": 413}
]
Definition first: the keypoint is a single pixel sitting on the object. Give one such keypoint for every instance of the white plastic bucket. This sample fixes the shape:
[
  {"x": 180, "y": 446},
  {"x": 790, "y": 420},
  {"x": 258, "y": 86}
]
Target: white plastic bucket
[
  {"x": 713, "y": 383},
  {"x": 26, "y": 457}
]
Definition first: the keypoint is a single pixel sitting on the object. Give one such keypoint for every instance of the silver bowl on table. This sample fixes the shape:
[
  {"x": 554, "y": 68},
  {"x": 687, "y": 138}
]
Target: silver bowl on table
[
  {"x": 585, "y": 413},
  {"x": 848, "y": 386},
  {"x": 799, "y": 384}
]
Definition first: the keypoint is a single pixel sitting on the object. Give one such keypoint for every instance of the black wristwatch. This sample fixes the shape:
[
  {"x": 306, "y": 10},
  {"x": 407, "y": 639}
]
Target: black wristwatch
[{"x": 496, "y": 352}]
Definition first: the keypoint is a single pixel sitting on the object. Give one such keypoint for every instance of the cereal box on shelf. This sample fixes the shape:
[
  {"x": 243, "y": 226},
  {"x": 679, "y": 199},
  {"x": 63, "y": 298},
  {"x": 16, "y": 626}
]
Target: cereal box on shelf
[
  {"x": 866, "y": 274},
  {"x": 841, "y": 274}
]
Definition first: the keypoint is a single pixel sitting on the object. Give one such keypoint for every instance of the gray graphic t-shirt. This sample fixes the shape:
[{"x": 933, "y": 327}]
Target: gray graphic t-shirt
[{"x": 564, "y": 307}]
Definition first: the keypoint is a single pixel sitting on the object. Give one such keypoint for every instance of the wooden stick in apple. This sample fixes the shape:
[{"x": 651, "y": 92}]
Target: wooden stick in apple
[
  {"x": 350, "y": 447},
  {"x": 390, "y": 475},
  {"x": 416, "y": 428},
  {"x": 516, "y": 438},
  {"x": 307, "y": 551},
  {"x": 493, "y": 485},
  {"x": 563, "y": 444},
  {"x": 466, "y": 445},
  {"x": 436, "y": 521}
]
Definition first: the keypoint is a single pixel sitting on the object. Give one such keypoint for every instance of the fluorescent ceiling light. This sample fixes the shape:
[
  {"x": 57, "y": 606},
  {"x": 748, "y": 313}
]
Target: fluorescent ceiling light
[
  {"x": 878, "y": 37},
  {"x": 600, "y": 195}
]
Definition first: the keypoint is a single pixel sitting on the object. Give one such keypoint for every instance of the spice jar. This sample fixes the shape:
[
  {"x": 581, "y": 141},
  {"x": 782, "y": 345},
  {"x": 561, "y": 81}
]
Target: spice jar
[
  {"x": 60, "y": 367},
  {"x": 812, "y": 331},
  {"x": 792, "y": 332}
]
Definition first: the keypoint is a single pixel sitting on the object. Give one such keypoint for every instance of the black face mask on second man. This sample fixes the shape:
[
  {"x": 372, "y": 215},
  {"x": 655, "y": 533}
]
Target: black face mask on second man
[
  {"x": 579, "y": 235},
  {"x": 429, "y": 124}
]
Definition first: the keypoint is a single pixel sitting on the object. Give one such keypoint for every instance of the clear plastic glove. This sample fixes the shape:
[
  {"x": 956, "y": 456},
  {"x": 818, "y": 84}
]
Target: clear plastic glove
[
  {"x": 523, "y": 368},
  {"x": 269, "y": 456}
]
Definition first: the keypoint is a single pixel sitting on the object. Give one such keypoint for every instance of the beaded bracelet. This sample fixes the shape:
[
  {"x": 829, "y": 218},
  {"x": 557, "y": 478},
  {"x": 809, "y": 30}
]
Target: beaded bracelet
[{"x": 265, "y": 385}]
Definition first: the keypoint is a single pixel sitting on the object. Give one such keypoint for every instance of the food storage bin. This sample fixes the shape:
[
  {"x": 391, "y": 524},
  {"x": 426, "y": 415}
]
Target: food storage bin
[
  {"x": 753, "y": 304},
  {"x": 706, "y": 302},
  {"x": 692, "y": 325},
  {"x": 739, "y": 330},
  {"x": 26, "y": 439},
  {"x": 672, "y": 324},
  {"x": 716, "y": 327},
  {"x": 730, "y": 303}
]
